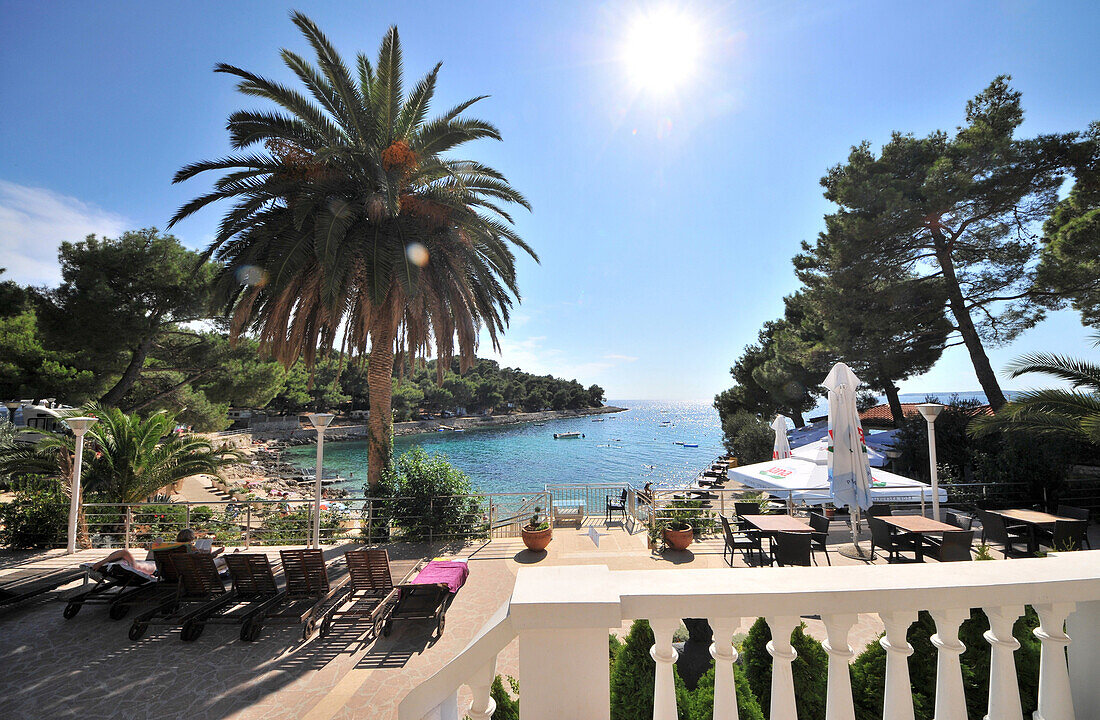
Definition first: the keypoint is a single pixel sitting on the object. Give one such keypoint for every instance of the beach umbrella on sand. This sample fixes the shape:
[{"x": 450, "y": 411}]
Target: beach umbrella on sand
[
  {"x": 849, "y": 464},
  {"x": 782, "y": 448}
]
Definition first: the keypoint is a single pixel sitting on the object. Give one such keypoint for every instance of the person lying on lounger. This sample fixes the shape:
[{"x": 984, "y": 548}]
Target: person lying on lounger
[{"x": 147, "y": 566}]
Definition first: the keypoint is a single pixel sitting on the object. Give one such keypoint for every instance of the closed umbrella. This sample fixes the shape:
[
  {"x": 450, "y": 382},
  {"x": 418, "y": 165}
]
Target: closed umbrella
[
  {"x": 849, "y": 465},
  {"x": 782, "y": 448}
]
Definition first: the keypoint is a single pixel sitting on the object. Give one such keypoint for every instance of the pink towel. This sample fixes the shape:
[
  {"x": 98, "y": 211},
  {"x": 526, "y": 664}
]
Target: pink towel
[{"x": 451, "y": 572}]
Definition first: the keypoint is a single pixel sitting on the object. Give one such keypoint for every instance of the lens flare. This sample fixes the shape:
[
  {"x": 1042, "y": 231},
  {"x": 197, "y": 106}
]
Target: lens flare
[
  {"x": 417, "y": 254},
  {"x": 251, "y": 275},
  {"x": 661, "y": 49}
]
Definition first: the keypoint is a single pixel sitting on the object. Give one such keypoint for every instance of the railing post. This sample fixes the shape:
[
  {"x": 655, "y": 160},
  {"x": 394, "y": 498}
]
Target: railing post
[
  {"x": 1084, "y": 657},
  {"x": 187, "y": 515},
  {"x": 922, "y": 504},
  {"x": 126, "y": 525},
  {"x": 481, "y": 684},
  {"x": 1004, "y": 690},
  {"x": 248, "y": 525},
  {"x": 1055, "y": 700},
  {"x": 950, "y": 698},
  {"x": 662, "y": 652},
  {"x": 491, "y": 521},
  {"x": 897, "y": 701},
  {"x": 431, "y": 514},
  {"x": 725, "y": 655},
  {"x": 839, "y": 704},
  {"x": 779, "y": 647}
]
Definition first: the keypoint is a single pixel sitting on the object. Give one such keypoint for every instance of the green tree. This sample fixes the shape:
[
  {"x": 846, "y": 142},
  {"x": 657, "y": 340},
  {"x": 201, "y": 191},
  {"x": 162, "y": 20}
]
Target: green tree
[
  {"x": 960, "y": 210},
  {"x": 748, "y": 438},
  {"x": 118, "y": 298},
  {"x": 363, "y": 231},
  {"x": 810, "y": 668}
]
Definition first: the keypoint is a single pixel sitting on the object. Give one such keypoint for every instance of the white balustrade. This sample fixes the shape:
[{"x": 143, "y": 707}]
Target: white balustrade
[
  {"x": 1004, "y": 690},
  {"x": 561, "y": 616},
  {"x": 725, "y": 655}
]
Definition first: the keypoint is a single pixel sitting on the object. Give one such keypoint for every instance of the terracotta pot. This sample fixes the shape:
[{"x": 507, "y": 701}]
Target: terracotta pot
[
  {"x": 679, "y": 539},
  {"x": 537, "y": 540},
  {"x": 830, "y": 513}
]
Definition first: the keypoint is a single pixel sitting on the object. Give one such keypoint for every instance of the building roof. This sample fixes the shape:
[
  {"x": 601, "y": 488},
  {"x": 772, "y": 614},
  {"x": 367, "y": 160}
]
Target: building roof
[{"x": 880, "y": 415}]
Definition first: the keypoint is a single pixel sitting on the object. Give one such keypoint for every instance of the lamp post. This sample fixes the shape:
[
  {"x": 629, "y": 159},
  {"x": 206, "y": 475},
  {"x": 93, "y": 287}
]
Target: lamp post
[
  {"x": 12, "y": 406},
  {"x": 79, "y": 426},
  {"x": 931, "y": 411},
  {"x": 320, "y": 421}
]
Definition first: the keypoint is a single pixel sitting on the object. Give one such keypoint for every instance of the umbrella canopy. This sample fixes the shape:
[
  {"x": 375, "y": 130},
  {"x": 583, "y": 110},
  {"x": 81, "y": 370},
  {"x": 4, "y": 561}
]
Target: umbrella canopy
[
  {"x": 782, "y": 448},
  {"x": 805, "y": 481},
  {"x": 818, "y": 452},
  {"x": 849, "y": 466}
]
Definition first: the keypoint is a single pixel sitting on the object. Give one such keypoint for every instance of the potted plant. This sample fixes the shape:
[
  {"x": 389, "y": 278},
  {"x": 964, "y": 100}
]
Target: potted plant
[
  {"x": 678, "y": 534},
  {"x": 537, "y": 533}
]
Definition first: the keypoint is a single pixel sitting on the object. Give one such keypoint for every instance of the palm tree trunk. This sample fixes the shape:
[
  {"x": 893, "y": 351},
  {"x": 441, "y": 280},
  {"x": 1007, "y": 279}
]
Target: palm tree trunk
[{"x": 380, "y": 393}]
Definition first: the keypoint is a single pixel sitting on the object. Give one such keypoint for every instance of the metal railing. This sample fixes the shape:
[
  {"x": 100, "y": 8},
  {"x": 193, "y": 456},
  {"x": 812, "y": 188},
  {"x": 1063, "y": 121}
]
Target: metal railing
[{"x": 578, "y": 501}]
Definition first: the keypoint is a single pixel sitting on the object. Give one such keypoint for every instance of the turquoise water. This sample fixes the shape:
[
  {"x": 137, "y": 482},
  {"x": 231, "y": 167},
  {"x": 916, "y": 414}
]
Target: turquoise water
[{"x": 632, "y": 446}]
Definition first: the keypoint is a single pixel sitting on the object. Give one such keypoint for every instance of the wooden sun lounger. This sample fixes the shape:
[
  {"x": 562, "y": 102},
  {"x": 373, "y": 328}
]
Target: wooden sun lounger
[
  {"x": 308, "y": 593},
  {"x": 199, "y": 590},
  {"x": 125, "y": 589},
  {"x": 25, "y": 584},
  {"x": 369, "y": 594}
]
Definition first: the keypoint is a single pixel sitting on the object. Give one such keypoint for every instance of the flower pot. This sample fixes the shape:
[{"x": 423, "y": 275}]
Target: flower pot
[
  {"x": 679, "y": 539},
  {"x": 537, "y": 540},
  {"x": 830, "y": 512}
]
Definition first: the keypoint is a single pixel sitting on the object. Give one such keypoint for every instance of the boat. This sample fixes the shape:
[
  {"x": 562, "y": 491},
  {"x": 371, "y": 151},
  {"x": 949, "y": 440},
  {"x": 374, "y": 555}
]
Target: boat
[
  {"x": 598, "y": 420},
  {"x": 689, "y": 444},
  {"x": 459, "y": 430},
  {"x": 678, "y": 442},
  {"x": 568, "y": 436},
  {"x": 539, "y": 424}
]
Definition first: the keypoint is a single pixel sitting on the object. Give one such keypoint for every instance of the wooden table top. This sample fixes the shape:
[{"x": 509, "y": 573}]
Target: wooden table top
[
  {"x": 917, "y": 524},
  {"x": 776, "y": 523},
  {"x": 1032, "y": 517}
]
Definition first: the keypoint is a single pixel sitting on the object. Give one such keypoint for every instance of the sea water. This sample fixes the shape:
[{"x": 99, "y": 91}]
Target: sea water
[{"x": 634, "y": 446}]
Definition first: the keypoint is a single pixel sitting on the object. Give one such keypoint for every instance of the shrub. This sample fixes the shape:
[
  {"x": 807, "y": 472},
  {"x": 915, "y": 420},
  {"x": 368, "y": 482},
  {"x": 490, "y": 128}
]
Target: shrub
[
  {"x": 201, "y": 514},
  {"x": 34, "y": 519},
  {"x": 810, "y": 668},
  {"x": 296, "y": 526},
  {"x": 431, "y": 497},
  {"x": 614, "y": 645},
  {"x": 156, "y": 522},
  {"x": 701, "y": 703},
  {"x": 507, "y": 707}
]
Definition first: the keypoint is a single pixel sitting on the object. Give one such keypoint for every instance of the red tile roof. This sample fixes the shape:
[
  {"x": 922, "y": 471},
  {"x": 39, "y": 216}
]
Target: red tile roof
[{"x": 880, "y": 415}]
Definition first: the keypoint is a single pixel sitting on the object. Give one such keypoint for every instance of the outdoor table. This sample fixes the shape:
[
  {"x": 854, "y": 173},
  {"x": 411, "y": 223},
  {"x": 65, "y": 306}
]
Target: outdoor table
[
  {"x": 916, "y": 525},
  {"x": 770, "y": 525},
  {"x": 571, "y": 509},
  {"x": 1033, "y": 519}
]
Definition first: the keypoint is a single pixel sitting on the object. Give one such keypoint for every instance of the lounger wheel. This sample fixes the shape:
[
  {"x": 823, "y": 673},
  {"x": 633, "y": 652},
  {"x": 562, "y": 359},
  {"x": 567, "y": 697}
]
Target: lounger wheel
[
  {"x": 118, "y": 611},
  {"x": 250, "y": 630},
  {"x": 325, "y": 627},
  {"x": 191, "y": 631},
  {"x": 71, "y": 610},
  {"x": 137, "y": 630},
  {"x": 308, "y": 628},
  {"x": 387, "y": 628}
]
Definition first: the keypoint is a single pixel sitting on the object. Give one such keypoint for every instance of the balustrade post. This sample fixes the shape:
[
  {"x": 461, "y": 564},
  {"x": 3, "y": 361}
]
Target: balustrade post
[
  {"x": 1084, "y": 657},
  {"x": 248, "y": 525},
  {"x": 897, "y": 701},
  {"x": 1004, "y": 690},
  {"x": 126, "y": 525},
  {"x": 725, "y": 655},
  {"x": 187, "y": 515},
  {"x": 950, "y": 698},
  {"x": 481, "y": 685},
  {"x": 1055, "y": 699},
  {"x": 662, "y": 652},
  {"x": 779, "y": 647},
  {"x": 839, "y": 704}
]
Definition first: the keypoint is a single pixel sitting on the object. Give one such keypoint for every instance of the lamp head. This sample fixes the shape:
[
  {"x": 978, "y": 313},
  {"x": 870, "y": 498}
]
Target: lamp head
[
  {"x": 930, "y": 411},
  {"x": 80, "y": 425},
  {"x": 320, "y": 420},
  {"x": 12, "y": 405}
]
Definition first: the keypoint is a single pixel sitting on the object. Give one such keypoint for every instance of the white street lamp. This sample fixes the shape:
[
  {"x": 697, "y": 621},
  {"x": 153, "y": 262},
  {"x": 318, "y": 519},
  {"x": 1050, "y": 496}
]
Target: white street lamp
[
  {"x": 79, "y": 426},
  {"x": 319, "y": 421},
  {"x": 12, "y": 406},
  {"x": 931, "y": 411}
]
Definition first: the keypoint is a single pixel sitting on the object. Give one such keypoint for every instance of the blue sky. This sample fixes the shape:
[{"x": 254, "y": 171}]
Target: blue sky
[{"x": 665, "y": 221}]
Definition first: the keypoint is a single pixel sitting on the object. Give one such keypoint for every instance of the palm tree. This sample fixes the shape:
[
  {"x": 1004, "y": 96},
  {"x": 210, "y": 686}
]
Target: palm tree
[
  {"x": 1073, "y": 414},
  {"x": 354, "y": 228},
  {"x": 128, "y": 458}
]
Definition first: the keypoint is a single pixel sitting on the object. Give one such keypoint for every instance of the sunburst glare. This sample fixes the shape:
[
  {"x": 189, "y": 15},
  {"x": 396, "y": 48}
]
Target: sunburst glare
[{"x": 660, "y": 51}]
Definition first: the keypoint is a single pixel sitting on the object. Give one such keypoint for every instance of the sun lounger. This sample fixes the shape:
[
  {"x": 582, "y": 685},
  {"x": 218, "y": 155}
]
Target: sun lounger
[
  {"x": 23, "y": 585},
  {"x": 429, "y": 594},
  {"x": 308, "y": 592},
  {"x": 120, "y": 586},
  {"x": 199, "y": 590},
  {"x": 255, "y": 590},
  {"x": 369, "y": 593}
]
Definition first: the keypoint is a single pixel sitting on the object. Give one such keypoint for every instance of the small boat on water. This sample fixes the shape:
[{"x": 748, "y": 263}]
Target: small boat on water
[
  {"x": 678, "y": 442},
  {"x": 539, "y": 424},
  {"x": 689, "y": 444},
  {"x": 599, "y": 420},
  {"x": 568, "y": 436},
  {"x": 460, "y": 430}
]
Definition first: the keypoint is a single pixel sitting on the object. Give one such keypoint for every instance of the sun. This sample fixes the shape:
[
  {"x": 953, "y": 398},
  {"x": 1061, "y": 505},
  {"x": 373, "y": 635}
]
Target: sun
[{"x": 661, "y": 48}]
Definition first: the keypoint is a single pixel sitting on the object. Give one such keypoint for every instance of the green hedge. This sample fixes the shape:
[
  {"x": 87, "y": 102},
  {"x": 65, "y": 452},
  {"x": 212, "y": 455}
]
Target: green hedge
[
  {"x": 810, "y": 668},
  {"x": 35, "y": 519}
]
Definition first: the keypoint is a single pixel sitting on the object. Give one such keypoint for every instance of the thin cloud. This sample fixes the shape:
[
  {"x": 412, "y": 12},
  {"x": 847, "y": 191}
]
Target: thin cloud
[
  {"x": 35, "y": 221},
  {"x": 620, "y": 358}
]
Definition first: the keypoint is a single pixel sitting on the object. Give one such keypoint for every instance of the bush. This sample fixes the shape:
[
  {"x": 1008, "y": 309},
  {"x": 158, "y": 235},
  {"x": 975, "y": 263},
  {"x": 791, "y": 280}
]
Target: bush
[
  {"x": 432, "y": 497},
  {"x": 810, "y": 668},
  {"x": 296, "y": 526},
  {"x": 507, "y": 707},
  {"x": 701, "y": 705},
  {"x": 35, "y": 519},
  {"x": 748, "y": 438},
  {"x": 869, "y": 669}
]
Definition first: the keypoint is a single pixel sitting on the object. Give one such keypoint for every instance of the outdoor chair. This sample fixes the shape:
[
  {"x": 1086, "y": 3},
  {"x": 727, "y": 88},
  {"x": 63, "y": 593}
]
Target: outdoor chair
[
  {"x": 996, "y": 530},
  {"x": 792, "y": 548},
  {"x": 369, "y": 594},
  {"x": 745, "y": 541},
  {"x": 883, "y": 538},
  {"x": 1067, "y": 535},
  {"x": 959, "y": 520},
  {"x": 820, "y": 535},
  {"x": 120, "y": 586},
  {"x": 878, "y": 510},
  {"x": 954, "y": 547},
  {"x": 199, "y": 590},
  {"x": 429, "y": 594},
  {"x": 22, "y": 585},
  {"x": 741, "y": 509},
  {"x": 1077, "y": 513},
  {"x": 615, "y": 507}
]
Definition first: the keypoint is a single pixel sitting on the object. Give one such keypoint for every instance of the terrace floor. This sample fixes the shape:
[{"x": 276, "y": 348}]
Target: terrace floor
[{"x": 87, "y": 666}]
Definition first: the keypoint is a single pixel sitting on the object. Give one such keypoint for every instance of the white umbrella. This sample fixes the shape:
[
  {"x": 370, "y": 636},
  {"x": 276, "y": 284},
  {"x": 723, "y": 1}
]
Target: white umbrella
[
  {"x": 849, "y": 465},
  {"x": 782, "y": 448}
]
